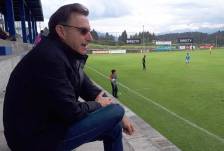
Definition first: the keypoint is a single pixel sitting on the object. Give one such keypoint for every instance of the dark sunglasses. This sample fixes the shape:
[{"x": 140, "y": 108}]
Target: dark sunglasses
[{"x": 82, "y": 30}]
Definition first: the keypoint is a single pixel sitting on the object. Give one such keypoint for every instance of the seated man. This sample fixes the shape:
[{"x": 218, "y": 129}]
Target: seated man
[{"x": 41, "y": 107}]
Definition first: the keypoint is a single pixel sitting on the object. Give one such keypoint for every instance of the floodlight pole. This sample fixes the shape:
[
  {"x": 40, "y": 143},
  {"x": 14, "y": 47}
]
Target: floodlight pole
[
  {"x": 116, "y": 39},
  {"x": 216, "y": 41},
  {"x": 143, "y": 41}
]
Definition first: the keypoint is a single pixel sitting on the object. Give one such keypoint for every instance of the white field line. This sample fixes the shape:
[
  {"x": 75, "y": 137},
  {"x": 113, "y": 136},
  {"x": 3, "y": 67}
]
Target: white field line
[
  {"x": 142, "y": 89},
  {"x": 164, "y": 108}
]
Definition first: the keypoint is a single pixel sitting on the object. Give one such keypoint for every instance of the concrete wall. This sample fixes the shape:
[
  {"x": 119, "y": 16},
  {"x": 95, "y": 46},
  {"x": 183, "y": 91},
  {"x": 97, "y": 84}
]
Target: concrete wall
[
  {"x": 6, "y": 67},
  {"x": 7, "y": 63},
  {"x": 17, "y": 47}
]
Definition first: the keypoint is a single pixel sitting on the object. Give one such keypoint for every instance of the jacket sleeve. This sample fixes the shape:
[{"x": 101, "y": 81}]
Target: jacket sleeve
[
  {"x": 53, "y": 82},
  {"x": 89, "y": 91}
]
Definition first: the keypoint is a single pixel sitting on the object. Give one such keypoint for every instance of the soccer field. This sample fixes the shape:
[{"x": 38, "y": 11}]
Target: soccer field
[{"x": 184, "y": 102}]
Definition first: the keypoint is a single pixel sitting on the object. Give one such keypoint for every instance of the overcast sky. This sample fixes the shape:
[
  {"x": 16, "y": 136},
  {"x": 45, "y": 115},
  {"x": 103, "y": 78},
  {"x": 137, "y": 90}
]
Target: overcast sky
[{"x": 158, "y": 16}]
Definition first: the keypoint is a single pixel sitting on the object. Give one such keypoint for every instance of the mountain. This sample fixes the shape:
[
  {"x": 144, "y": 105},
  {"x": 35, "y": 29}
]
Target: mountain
[{"x": 198, "y": 37}]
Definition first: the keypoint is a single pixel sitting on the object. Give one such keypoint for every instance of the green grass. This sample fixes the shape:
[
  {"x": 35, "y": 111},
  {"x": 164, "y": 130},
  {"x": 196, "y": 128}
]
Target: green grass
[{"x": 193, "y": 91}]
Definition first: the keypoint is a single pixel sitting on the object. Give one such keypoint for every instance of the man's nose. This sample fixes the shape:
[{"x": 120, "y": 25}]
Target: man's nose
[{"x": 89, "y": 37}]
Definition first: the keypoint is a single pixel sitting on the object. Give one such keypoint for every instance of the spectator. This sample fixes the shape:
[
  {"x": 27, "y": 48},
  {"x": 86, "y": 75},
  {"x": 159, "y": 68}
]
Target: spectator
[
  {"x": 38, "y": 38},
  {"x": 41, "y": 107}
]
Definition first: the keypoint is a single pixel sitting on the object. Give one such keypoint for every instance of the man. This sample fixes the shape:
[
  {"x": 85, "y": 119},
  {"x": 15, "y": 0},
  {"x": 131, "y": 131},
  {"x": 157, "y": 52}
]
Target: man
[
  {"x": 143, "y": 62},
  {"x": 41, "y": 107}
]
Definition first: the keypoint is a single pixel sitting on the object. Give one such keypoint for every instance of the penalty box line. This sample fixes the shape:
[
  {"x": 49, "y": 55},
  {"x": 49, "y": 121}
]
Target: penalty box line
[{"x": 164, "y": 108}]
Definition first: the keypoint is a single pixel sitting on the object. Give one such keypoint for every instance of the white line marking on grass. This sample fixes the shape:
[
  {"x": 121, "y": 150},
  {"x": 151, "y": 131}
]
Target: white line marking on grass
[
  {"x": 142, "y": 89},
  {"x": 164, "y": 108}
]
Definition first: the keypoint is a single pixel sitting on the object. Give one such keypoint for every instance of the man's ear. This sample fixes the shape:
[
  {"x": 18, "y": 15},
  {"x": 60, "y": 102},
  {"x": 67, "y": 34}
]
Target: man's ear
[{"x": 60, "y": 31}]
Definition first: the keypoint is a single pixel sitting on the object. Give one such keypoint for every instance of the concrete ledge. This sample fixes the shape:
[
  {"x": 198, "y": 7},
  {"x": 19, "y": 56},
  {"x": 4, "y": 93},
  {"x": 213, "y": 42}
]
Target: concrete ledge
[
  {"x": 3, "y": 144},
  {"x": 7, "y": 64},
  {"x": 17, "y": 47}
]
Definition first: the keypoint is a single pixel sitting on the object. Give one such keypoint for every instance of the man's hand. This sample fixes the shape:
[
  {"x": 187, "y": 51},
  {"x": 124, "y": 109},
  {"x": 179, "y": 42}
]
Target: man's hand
[
  {"x": 128, "y": 127},
  {"x": 104, "y": 101}
]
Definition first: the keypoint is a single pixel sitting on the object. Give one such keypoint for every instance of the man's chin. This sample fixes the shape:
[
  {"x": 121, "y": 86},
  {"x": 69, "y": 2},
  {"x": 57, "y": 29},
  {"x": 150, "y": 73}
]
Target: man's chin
[{"x": 83, "y": 52}]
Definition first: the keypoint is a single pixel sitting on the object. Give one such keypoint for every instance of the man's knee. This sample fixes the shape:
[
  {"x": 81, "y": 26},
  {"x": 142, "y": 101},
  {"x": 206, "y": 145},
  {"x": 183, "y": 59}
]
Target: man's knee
[
  {"x": 116, "y": 111},
  {"x": 118, "y": 128}
]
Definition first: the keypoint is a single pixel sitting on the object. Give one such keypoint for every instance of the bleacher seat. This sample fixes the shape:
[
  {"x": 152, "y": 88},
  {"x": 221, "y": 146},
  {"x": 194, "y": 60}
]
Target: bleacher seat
[{"x": 5, "y": 50}]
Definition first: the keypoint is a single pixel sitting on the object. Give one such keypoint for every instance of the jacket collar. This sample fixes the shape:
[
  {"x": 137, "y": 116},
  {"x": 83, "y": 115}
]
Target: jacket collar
[{"x": 73, "y": 55}]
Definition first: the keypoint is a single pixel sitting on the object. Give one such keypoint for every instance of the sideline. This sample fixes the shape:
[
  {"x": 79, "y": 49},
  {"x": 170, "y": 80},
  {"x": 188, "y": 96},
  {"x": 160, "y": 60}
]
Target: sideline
[
  {"x": 142, "y": 89},
  {"x": 164, "y": 108}
]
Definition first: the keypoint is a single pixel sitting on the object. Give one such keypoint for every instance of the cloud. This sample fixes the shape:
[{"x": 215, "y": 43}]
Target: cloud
[
  {"x": 194, "y": 16},
  {"x": 156, "y": 16},
  {"x": 197, "y": 12},
  {"x": 100, "y": 9},
  {"x": 187, "y": 5}
]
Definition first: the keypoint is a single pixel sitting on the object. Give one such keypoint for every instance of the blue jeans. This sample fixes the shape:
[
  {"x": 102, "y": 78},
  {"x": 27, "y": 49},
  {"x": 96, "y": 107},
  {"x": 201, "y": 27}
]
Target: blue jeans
[{"x": 103, "y": 124}]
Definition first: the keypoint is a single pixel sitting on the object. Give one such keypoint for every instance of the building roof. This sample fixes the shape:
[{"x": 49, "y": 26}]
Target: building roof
[{"x": 33, "y": 5}]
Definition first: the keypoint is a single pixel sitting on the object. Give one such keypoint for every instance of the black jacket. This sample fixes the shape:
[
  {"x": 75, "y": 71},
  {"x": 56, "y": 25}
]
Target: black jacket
[{"x": 41, "y": 98}]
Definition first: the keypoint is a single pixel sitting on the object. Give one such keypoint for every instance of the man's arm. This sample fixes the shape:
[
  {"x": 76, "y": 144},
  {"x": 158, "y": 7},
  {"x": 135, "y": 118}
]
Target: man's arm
[
  {"x": 92, "y": 93},
  {"x": 127, "y": 125},
  {"x": 89, "y": 91},
  {"x": 58, "y": 90}
]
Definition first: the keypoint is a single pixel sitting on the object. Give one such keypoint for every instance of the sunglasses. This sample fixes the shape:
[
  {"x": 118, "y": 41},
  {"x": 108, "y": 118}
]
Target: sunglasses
[{"x": 82, "y": 30}]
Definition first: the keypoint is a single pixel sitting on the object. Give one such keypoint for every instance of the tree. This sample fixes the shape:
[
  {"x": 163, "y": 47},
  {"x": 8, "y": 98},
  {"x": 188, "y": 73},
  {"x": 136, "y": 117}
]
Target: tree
[
  {"x": 109, "y": 37},
  {"x": 148, "y": 37},
  {"x": 123, "y": 37},
  {"x": 94, "y": 35},
  {"x": 106, "y": 39}
]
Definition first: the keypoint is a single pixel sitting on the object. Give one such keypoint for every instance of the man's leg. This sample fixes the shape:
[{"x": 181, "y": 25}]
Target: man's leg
[
  {"x": 112, "y": 140},
  {"x": 103, "y": 124}
]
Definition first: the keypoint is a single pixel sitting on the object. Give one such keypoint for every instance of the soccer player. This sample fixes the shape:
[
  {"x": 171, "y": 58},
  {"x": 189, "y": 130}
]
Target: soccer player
[
  {"x": 143, "y": 62},
  {"x": 187, "y": 58}
]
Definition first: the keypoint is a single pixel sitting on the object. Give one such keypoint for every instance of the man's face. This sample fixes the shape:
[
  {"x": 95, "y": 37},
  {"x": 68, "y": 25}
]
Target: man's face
[{"x": 77, "y": 33}]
